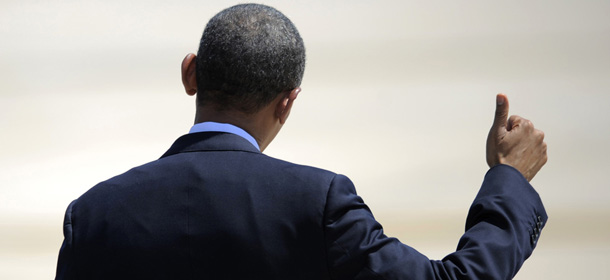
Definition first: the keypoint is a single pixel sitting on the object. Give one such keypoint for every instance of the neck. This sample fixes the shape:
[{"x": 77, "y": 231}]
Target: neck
[{"x": 256, "y": 124}]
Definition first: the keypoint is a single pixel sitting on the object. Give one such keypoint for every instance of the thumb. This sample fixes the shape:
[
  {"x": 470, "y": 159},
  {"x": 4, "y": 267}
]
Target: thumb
[{"x": 501, "y": 117}]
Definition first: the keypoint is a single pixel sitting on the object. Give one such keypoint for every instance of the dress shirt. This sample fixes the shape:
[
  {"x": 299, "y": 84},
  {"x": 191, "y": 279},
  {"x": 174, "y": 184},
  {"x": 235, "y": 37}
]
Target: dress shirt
[{"x": 224, "y": 127}]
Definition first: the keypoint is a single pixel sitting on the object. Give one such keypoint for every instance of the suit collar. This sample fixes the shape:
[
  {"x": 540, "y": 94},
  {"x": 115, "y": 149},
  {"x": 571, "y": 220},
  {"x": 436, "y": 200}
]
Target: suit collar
[{"x": 210, "y": 141}]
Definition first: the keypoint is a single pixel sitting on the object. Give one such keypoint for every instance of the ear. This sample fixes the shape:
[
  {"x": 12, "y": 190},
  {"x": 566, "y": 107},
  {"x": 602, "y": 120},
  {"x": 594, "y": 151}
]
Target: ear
[
  {"x": 189, "y": 78},
  {"x": 282, "y": 110}
]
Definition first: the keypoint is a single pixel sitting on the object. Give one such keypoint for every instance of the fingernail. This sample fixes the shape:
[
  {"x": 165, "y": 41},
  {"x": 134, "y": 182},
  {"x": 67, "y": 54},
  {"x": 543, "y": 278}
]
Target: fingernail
[{"x": 499, "y": 100}]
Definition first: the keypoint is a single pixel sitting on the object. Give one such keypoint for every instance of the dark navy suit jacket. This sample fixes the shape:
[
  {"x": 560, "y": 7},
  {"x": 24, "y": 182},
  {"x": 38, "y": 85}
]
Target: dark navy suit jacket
[{"x": 214, "y": 207}]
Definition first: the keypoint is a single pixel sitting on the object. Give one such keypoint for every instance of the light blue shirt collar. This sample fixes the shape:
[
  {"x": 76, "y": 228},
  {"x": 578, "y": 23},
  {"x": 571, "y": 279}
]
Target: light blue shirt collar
[{"x": 223, "y": 127}]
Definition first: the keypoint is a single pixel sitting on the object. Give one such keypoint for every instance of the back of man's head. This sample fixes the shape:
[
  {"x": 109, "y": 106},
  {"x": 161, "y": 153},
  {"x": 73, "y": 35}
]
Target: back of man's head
[{"x": 248, "y": 55}]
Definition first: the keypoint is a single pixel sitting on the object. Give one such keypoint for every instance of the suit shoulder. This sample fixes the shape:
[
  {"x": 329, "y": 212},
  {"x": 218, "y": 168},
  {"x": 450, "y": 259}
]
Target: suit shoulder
[
  {"x": 121, "y": 182},
  {"x": 302, "y": 170}
]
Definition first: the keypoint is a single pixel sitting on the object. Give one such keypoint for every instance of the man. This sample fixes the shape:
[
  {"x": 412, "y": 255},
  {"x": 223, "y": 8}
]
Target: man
[{"x": 214, "y": 207}]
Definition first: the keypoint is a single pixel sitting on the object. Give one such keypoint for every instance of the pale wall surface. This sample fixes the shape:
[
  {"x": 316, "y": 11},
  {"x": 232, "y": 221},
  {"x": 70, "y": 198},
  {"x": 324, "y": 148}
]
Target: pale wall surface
[{"x": 398, "y": 95}]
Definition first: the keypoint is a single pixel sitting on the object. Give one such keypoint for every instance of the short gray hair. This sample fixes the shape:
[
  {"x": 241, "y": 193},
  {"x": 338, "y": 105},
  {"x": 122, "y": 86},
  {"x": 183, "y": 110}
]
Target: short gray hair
[{"x": 248, "y": 55}]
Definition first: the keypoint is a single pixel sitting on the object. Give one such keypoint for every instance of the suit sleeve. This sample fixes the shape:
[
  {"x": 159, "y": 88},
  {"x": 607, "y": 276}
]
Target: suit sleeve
[
  {"x": 502, "y": 228},
  {"x": 65, "y": 260}
]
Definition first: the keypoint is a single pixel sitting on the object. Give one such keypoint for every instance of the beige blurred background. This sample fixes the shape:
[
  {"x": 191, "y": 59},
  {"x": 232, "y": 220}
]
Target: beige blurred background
[{"x": 398, "y": 95}]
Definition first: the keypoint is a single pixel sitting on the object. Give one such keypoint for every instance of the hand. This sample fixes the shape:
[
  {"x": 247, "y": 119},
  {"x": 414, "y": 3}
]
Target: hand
[{"x": 515, "y": 142}]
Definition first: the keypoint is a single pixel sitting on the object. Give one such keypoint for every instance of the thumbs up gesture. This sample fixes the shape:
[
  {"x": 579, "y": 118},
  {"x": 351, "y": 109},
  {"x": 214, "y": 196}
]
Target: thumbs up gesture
[{"x": 514, "y": 141}]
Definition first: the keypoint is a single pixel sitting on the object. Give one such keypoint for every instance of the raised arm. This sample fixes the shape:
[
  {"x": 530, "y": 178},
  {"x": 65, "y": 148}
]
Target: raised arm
[{"x": 502, "y": 227}]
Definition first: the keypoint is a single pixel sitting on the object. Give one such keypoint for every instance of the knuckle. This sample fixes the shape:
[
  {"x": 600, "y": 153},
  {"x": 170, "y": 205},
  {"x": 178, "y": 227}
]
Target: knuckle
[
  {"x": 545, "y": 158},
  {"x": 539, "y": 134}
]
